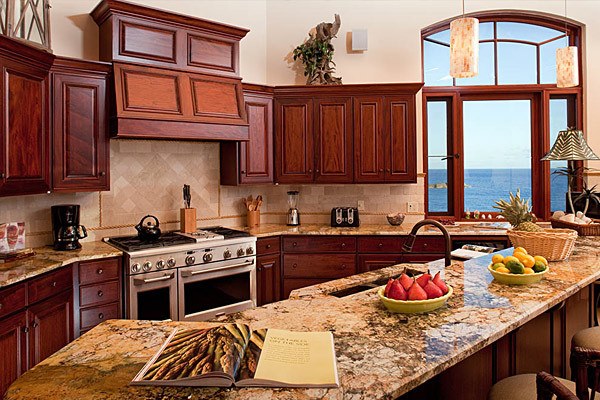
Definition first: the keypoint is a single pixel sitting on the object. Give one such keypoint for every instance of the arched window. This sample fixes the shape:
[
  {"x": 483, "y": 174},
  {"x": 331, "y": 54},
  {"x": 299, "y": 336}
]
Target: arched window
[{"x": 484, "y": 136}]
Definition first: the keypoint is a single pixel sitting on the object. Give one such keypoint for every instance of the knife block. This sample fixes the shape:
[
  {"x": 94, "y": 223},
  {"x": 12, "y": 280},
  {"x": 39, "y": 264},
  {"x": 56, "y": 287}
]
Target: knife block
[{"x": 188, "y": 220}]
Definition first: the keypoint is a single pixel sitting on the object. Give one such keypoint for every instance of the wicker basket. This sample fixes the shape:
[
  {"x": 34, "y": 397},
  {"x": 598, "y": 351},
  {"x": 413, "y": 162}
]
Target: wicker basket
[
  {"x": 592, "y": 229},
  {"x": 553, "y": 244}
]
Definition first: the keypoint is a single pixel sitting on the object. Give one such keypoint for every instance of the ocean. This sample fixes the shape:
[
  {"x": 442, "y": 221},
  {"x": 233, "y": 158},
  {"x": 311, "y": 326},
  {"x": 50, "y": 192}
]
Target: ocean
[{"x": 484, "y": 186}]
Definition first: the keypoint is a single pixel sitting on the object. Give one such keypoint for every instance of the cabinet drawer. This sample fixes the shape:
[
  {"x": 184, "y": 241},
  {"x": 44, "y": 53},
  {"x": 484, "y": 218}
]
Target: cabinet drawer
[
  {"x": 268, "y": 245},
  {"x": 93, "y": 316},
  {"x": 319, "y": 265},
  {"x": 50, "y": 284},
  {"x": 12, "y": 299},
  {"x": 421, "y": 258},
  {"x": 98, "y": 271},
  {"x": 429, "y": 244},
  {"x": 319, "y": 244},
  {"x": 380, "y": 244},
  {"x": 97, "y": 294}
]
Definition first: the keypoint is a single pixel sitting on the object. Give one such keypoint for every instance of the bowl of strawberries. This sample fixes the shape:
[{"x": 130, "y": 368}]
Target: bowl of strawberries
[{"x": 420, "y": 294}]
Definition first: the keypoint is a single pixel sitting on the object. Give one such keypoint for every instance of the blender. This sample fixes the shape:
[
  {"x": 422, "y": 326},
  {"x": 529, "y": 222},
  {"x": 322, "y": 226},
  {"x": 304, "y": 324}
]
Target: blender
[{"x": 293, "y": 216}]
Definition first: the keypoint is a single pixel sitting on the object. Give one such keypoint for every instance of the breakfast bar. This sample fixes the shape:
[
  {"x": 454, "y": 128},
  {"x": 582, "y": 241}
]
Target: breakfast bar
[{"x": 380, "y": 355}]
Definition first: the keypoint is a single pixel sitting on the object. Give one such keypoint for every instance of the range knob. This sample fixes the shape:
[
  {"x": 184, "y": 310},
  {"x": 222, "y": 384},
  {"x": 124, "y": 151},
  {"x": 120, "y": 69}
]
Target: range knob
[
  {"x": 207, "y": 257},
  {"x": 240, "y": 252},
  {"x": 147, "y": 266},
  {"x": 135, "y": 267},
  {"x": 227, "y": 254},
  {"x": 171, "y": 262},
  {"x": 189, "y": 260},
  {"x": 160, "y": 264},
  {"x": 250, "y": 250}
]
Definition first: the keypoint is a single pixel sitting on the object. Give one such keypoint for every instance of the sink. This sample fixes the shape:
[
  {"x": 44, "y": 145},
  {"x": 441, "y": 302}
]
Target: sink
[{"x": 363, "y": 287}]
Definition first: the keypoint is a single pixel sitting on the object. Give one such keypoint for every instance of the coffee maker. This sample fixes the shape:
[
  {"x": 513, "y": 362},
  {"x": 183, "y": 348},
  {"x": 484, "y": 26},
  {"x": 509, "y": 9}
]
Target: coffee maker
[{"x": 65, "y": 227}]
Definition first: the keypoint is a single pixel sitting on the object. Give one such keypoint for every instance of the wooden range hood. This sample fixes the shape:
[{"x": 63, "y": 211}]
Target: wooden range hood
[{"x": 175, "y": 76}]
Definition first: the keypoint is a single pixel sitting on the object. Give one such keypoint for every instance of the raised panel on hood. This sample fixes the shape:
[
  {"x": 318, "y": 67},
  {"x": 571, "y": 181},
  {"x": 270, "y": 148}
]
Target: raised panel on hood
[
  {"x": 212, "y": 53},
  {"x": 214, "y": 98},
  {"x": 149, "y": 42},
  {"x": 146, "y": 91}
]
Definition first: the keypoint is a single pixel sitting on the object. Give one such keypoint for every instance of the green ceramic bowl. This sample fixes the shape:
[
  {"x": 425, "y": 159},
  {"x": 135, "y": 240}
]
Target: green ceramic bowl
[
  {"x": 413, "y": 306},
  {"x": 517, "y": 279}
]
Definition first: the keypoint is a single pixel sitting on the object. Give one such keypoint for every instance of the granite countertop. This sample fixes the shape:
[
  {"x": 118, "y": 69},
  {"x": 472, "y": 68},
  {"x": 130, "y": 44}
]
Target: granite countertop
[
  {"x": 380, "y": 355},
  {"x": 47, "y": 259},
  {"x": 267, "y": 230}
]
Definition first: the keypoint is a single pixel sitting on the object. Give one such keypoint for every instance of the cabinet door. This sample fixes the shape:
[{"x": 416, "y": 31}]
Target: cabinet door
[
  {"x": 50, "y": 326},
  {"x": 294, "y": 151},
  {"x": 400, "y": 132},
  {"x": 256, "y": 155},
  {"x": 80, "y": 136},
  {"x": 25, "y": 139},
  {"x": 268, "y": 279},
  {"x": 369, "y": 141},
  {"x": 333, "y": 138},
  {"x": 13, "y": 361},
  {"x": 371, "y": 262}
]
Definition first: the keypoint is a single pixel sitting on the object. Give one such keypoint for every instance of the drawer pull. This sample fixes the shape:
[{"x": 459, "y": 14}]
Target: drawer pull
[
  {"x": 424, "y": 244},
  {"x": 101, "y": 316},
  {"x": 268, "y": 246},
  {"x": 380, "y": 244},
  {"x": 100, "y": 293},
  {"x": 53, "y": 284},
  {"x": 0, "y": 306},
  {"x": 99, "y": 271},
  {"x": 35, "y": 324},
  {"x": 343, "y": 244},
  {"x": 343, "y": 266},
  {"x": 25, "y": 329},
  {"x": 294, "y": 265},
  {"x": 294, "y": 244}
]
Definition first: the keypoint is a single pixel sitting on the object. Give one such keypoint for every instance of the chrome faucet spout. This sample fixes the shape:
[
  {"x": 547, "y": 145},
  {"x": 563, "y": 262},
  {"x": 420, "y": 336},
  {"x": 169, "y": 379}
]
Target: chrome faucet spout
[{"x": 410, "y": 241}]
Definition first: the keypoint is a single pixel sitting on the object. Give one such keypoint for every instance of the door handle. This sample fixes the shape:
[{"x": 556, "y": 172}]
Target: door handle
[
  {"x": 165, "y": 277},
  {"x": 187, "y": 274}
]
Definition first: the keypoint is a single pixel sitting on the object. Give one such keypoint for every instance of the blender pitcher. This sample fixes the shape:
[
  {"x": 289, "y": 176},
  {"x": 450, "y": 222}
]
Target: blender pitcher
[{"x": 293, "y": 217}]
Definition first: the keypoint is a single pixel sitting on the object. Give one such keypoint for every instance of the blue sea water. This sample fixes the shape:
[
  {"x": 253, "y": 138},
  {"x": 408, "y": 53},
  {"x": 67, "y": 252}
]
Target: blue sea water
[{"x": 484, "y": 186}]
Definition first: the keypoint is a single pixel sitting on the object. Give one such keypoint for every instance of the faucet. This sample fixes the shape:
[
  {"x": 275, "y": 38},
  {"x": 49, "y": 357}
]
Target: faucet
[{"x": 408, "y": 245}]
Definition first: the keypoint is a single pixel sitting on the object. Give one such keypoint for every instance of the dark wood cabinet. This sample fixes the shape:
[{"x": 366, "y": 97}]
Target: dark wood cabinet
[
  {"x": 13, "y": 349},
  {"x": 268, "y": 279},
  {"x": 25, "y": 133},
  {"x": 251, "y": 162},
  {"x": 369, "y": 140},
  {"x": 80, "y": 125},
  {"x": 371, "y": 262},
  {"x": 400, "y": 139}
]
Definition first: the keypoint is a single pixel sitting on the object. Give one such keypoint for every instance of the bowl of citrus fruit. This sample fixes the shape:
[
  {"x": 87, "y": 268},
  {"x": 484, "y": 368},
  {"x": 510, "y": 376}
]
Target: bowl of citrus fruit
[{"x": 520, "y": 268}]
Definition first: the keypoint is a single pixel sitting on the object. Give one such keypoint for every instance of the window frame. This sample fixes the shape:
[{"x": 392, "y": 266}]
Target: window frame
[{"x": 540, "y": 94}]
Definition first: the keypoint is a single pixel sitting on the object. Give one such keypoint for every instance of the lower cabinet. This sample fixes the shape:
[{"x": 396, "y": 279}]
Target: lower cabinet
[
  {"x": 13, "y": 337},
  {"x": 268, "y": 270}
]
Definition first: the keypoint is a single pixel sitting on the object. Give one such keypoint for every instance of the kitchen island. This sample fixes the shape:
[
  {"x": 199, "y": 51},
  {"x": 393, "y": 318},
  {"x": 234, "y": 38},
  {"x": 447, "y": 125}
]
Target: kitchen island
[{"x": 380, "y": 355}]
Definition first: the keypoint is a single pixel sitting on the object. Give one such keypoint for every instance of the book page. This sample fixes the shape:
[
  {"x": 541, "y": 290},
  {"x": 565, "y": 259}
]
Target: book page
[{"x": 298, "y": 358}]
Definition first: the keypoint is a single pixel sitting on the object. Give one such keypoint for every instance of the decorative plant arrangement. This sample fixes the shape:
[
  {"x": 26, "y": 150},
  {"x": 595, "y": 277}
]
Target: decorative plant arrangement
[
  {"x": 316, "y": 54},
  {"x": 560, "y": 218}
]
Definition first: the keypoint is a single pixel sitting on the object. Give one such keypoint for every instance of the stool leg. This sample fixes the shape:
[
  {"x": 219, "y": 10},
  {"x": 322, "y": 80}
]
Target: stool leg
[{"x": 579, "y": 372}]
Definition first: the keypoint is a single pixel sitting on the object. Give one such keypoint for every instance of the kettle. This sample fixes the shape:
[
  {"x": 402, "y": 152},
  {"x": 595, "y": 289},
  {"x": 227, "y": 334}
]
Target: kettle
[{"x": 148, "y": 232}]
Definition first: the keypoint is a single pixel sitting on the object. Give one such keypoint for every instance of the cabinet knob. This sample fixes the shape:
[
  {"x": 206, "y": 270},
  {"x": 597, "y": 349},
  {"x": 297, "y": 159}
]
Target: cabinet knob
[
  {"x": 25, "y": 329},
  {"x": 100, "y": 293},
  {"x": 425, "y": 245},
  {"x": 53, "y": 284},
  {"x": 388, "y": 170},
  {"x": 101, "y": 316},
  {"x": 2, "y": 175},
  {"x": 294, "y": 244},
  {"x": 0, "y": 306},
  {"x": 243, "y": 172},
  {"x": 343, "y": 244},
  {"x": 310, "y": 171},
  {"x": 35, "y": 324},
  {"x": 380, "y": 169},
  {"x": 99, "y": 271},
  {"x": 317, "y": 171},
  {"x": 343, "y": 266},
  {"x": 102, "y": 173},
  {"x": 294, "y": 265},
  {"x": 259, "y": 269},
  {"x": 268, "y": 246},
  {"x": 380, "y": 245}
]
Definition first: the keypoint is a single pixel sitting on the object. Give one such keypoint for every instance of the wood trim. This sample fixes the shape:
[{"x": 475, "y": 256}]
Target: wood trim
[
  {"x": 131, "y": 128},
  {"x": 347, "y": 90}
]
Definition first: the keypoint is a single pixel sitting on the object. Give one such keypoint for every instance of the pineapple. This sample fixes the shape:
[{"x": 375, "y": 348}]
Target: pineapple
[{"x": 518, "y": 213}]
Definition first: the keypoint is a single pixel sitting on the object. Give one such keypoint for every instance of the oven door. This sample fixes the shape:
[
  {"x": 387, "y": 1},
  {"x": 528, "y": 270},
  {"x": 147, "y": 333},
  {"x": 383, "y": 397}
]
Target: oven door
[
  {"x": 209, "y": 291},
  {"x": 153, "y": 296}
]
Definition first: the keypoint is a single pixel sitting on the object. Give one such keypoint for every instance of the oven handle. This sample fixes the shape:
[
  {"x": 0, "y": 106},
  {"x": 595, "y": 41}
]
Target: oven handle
[
  {"x": 165, "y": 277},
  {"x": 187, "y": 274}
]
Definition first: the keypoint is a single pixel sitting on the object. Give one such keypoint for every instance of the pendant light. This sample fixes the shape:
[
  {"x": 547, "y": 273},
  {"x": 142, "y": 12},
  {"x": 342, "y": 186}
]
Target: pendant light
[
  {"x": 464, "y": 46},
  {"x": 567, "y": 63}
]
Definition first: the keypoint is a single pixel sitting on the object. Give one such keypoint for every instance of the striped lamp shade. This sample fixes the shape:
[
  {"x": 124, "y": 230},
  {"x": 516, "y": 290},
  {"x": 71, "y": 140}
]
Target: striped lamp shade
[{"x": 570, "y": 145}]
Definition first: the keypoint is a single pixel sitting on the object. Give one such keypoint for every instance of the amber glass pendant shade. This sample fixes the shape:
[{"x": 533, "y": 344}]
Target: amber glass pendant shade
[
  {"x": 567, "y": 67},
  {"x": 464, "y": 47}
]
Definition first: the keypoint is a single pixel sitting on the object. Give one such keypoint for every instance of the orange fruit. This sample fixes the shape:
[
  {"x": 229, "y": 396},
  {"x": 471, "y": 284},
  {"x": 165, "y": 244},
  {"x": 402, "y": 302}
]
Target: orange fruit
[
  {"x": 520, "y": 249},
  {"x": 503, "y": 270},
  {"x": 528, "y": 261},
  {"x": 509, "y": 258},
  {"x": 528, "y": 271},
  {"x": 497, "y": 258},
  {"x": 541, "y": 259},
  {"x": 520, "y": 256}
]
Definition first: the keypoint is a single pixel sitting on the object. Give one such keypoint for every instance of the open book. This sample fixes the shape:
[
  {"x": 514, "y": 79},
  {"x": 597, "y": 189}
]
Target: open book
[{"x": 232, "y": 354}]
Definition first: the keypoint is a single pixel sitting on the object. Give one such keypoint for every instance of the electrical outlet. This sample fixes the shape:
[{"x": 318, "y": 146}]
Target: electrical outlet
[
  {"x": 411, "y": 207},
  {"x": 361, "y": 205}
]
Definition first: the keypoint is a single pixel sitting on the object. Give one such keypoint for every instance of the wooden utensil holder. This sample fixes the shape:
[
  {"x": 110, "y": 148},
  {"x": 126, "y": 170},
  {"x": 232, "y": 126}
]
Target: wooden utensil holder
[
  {"x": 188, "y": 220},
  {"x": 253, "y": 218}
]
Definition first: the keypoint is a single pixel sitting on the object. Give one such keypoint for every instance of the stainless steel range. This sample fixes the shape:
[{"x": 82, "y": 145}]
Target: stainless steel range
[{"x": 189, "y": 277}]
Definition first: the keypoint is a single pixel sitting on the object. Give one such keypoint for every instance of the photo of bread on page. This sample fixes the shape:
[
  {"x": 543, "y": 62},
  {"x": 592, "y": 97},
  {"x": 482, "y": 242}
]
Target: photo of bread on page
[{"x": 232, "y": 354}]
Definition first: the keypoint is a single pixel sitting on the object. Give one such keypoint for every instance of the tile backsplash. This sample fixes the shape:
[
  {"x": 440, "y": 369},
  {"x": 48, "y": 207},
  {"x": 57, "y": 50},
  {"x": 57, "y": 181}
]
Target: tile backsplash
[{"x": 147, "y": 177}]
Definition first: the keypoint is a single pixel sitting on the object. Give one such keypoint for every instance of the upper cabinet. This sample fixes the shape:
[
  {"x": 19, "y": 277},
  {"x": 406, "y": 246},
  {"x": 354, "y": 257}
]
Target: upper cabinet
[
  {"x": 24, "y": 131},
  {"x": 346, "y": 133},
  {"x": 80, "y": 125},
  {"x": 188, "y": 84}
]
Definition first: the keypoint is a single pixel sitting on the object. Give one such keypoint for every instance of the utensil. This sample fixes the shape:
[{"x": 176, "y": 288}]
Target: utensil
[
  {"x": 259, "y": 201},
  {"x": 250, "y": 203},
  {"x": 187, "y": 196},
  {"x": 148, "y": 231}
]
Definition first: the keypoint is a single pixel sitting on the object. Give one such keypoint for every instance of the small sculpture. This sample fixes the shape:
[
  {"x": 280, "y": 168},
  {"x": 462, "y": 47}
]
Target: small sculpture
[{"x": 316, "y": 54}]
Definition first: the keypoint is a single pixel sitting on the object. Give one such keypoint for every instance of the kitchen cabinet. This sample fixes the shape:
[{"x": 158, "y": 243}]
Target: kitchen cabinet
[
  {"x": 251, "y": 162},
  {"x": 13, "y": 348},
  {"x": 25, "y": 132},
  {"x": 400, "y": 139},
  {"x": 80, "y": 125},
  {"x": 369, "y": 139},
  {"x": 268, "y": 270}
]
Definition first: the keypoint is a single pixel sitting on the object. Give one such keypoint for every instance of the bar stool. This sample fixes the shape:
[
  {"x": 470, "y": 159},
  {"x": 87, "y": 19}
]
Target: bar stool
[{"x": 585, "y": 360}]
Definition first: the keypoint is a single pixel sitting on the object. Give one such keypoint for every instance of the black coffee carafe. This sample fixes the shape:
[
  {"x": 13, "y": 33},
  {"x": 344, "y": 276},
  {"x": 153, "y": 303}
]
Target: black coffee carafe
[{"x": 66, "y": 230}]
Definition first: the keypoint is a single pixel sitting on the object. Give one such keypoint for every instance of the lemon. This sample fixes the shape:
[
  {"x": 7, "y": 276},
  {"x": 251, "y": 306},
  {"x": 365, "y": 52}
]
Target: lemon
[
  {"x": 541, "y": 259},
  {"x": 528, "y": 261},
  {"x": 539, "y": 266},
  {"x": 508, "y": 259},
  {"x": 498, "y": 265},
  {"x": 497, "y": 258},
  {"x": 528, "y": 271},
  {"x": 519, "y": 256},
  {"x": 504, "y": 270},
  {"x": 521, "y": 250}
]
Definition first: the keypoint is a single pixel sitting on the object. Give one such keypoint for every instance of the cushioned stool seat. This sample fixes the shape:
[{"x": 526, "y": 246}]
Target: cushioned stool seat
[
  {"x": 588, "y": 338},
  {"x": 520, "y": 387}
]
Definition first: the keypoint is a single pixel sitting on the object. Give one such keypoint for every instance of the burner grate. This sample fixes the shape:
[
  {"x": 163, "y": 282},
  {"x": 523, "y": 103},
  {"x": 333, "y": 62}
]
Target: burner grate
[{"x": 133, "y": 243}]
